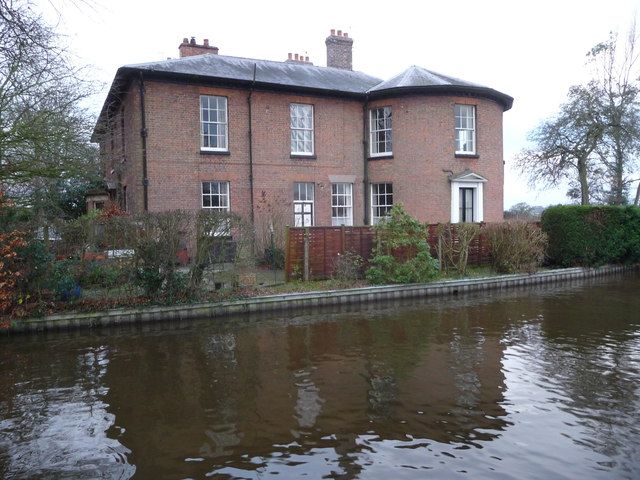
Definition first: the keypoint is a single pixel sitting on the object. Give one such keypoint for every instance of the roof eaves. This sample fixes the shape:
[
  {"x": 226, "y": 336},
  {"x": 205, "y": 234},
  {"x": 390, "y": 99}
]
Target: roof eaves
[
  {"x": 114, "y": 97},
  {"x": 503, "y": 99}
]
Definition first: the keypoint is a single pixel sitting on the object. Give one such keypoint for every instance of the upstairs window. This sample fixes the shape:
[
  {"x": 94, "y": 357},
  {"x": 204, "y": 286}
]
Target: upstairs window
[
  {"x": 380, "y": 138},
  {"x": 341, "y": 204},
  {"x": 214, "y": 132},
  {"x": 465, "y": 129},
  {"x": 301, "y": 129},
  {"x": 303, "y": 204},
  {"x": 381, "y": 201}
]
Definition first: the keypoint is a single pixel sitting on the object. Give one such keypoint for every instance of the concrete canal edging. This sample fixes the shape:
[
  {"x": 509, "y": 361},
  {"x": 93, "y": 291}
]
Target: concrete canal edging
[{"x": 290, "y": 301}]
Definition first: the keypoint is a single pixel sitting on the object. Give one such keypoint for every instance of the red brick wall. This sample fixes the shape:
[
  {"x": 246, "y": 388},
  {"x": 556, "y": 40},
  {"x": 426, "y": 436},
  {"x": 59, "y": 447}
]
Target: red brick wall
[
  {"x": 125, "y": 164},
  {"x": 424, "y": 154},
  {"x": 177, "y": 167},
  {"x": 423, "y": 142},
  {"x": 338, "y": 150}
]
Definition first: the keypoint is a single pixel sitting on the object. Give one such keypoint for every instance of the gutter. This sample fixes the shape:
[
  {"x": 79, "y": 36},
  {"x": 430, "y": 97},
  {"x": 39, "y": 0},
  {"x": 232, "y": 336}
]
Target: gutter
[
  {"x": 365, "y": 159},
  {"x": 250, "y": 102},
  {"x": 502, "y": 99},
  {"x": 143, "y": 136}
]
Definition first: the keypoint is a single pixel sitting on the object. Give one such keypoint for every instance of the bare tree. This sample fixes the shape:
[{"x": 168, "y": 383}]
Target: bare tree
[
  {"x": 617, "y": 95},
  {"x": 44, "y": 131},
  {"x": 565, "y": 146},
  {"x": 523, "y": 211},
  {"x": 594, "y": 140}
]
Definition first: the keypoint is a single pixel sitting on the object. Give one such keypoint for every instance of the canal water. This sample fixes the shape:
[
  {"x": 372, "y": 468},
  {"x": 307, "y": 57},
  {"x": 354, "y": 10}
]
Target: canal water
[{"x": 535, "y": 383}]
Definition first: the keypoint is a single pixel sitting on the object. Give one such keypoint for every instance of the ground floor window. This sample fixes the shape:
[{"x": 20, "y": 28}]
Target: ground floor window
[
  {"x": 341, "y": 204},
  {"x": 215, "y": 196},
  {"x": 381, "y": 201},
  {"x": 303, "y": 194}
]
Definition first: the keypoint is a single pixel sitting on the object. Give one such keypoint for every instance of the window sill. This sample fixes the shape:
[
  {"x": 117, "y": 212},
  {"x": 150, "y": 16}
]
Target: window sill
[
  {"x": 299, "y": 156},
  {"x": 214, "y": 152},
  {"x": 381, "y": 157},
  {"x": 467, "y": 155}
]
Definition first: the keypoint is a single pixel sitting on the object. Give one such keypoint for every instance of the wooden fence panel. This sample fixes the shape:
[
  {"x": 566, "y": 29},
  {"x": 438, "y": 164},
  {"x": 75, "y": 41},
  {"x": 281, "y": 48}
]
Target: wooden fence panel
[{"x": 325, "y": 243}]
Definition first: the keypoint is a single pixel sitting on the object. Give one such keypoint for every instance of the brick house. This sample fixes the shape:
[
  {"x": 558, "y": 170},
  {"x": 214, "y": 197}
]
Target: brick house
[{"x": 312, "y": 145}]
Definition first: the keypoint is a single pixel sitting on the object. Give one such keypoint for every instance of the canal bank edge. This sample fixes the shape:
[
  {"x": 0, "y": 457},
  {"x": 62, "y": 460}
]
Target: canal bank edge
[{"x": 290, "y": 301}]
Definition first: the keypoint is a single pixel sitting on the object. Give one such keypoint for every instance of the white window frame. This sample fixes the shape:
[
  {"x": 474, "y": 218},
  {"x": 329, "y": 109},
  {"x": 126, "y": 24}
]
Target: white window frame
[
  {"x": 478, "y": 199},
  {"x": 303, "y": 207},
  {"x": 226, "y": 195},
  {"x": 224, "y": 230},
  {"x": 465, "y": 126},
  {"x": 221, "y": 123},
  {"x": 374, "y": 128},
  {"x": 298, "y": 128},
  {"x": 342, "y": 198},
  {"x": 376, "y": 196}
]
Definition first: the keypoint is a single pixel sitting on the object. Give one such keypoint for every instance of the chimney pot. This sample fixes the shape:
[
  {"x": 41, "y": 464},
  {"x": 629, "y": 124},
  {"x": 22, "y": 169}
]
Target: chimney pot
[
  {"x": 333, "y": 31},
  {"x": 346, "y": 35},
  {"x": 306, "y": 59},
  {"x": 296, "y": 57},
  {"x": 290, "y": 56},
  {"x": 189, "y": 47},
  {"x": 339, "y": 33}
]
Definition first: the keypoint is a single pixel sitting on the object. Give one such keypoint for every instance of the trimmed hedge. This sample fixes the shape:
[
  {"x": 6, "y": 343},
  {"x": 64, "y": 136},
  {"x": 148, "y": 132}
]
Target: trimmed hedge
[{"x": 585, "y": 235}]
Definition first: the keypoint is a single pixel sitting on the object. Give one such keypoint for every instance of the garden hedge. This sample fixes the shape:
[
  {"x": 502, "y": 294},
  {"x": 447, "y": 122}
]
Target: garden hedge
[{"x": 585, "y": 235}]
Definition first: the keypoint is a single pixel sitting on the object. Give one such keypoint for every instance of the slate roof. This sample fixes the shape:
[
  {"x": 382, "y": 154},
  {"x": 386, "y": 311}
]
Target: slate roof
[
  {"x": 420, "y": 80},
  {"x": 420, "y": 77},
  {"x": 294, "y": 77},
  {"x": 268, "y": 72}
]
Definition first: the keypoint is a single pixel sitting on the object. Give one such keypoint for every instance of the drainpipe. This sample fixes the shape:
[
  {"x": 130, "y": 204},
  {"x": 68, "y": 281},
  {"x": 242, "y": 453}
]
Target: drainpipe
[
  {"x": 365, "y": 150},
  {"x": 143, "y": 136},
  {"x": 249, "y": 102}
]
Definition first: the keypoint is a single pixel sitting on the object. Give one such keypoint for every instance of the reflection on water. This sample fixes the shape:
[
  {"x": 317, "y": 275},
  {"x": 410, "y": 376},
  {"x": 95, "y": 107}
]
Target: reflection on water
[
  {"x": 523, "y": 384},
  {"x": 57, "y": 428}
]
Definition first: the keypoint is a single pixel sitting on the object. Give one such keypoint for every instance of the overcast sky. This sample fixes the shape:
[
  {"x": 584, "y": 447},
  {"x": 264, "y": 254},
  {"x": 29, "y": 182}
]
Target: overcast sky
[{"x": 532, "y": 51}]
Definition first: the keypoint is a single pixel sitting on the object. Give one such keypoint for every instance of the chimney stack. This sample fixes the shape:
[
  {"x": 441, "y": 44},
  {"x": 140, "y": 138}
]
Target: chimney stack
[
  {"x": 189, "y": 48},
  {"x": 339, "y": 50},
  {"x": 298, "y": 58}
]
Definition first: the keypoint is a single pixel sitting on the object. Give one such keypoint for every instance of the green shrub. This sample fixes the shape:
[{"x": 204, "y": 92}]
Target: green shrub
[
  {"x": 63, "y": 280},
  {"x": 157, "y": 242},
  {"x": 516, "y": 246},
  {"x": 592, "y": 235},
  {"x": 36, "y": 262},
  {"x": 401, "y": 253},
  {"x": 100, "y": 274}
]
